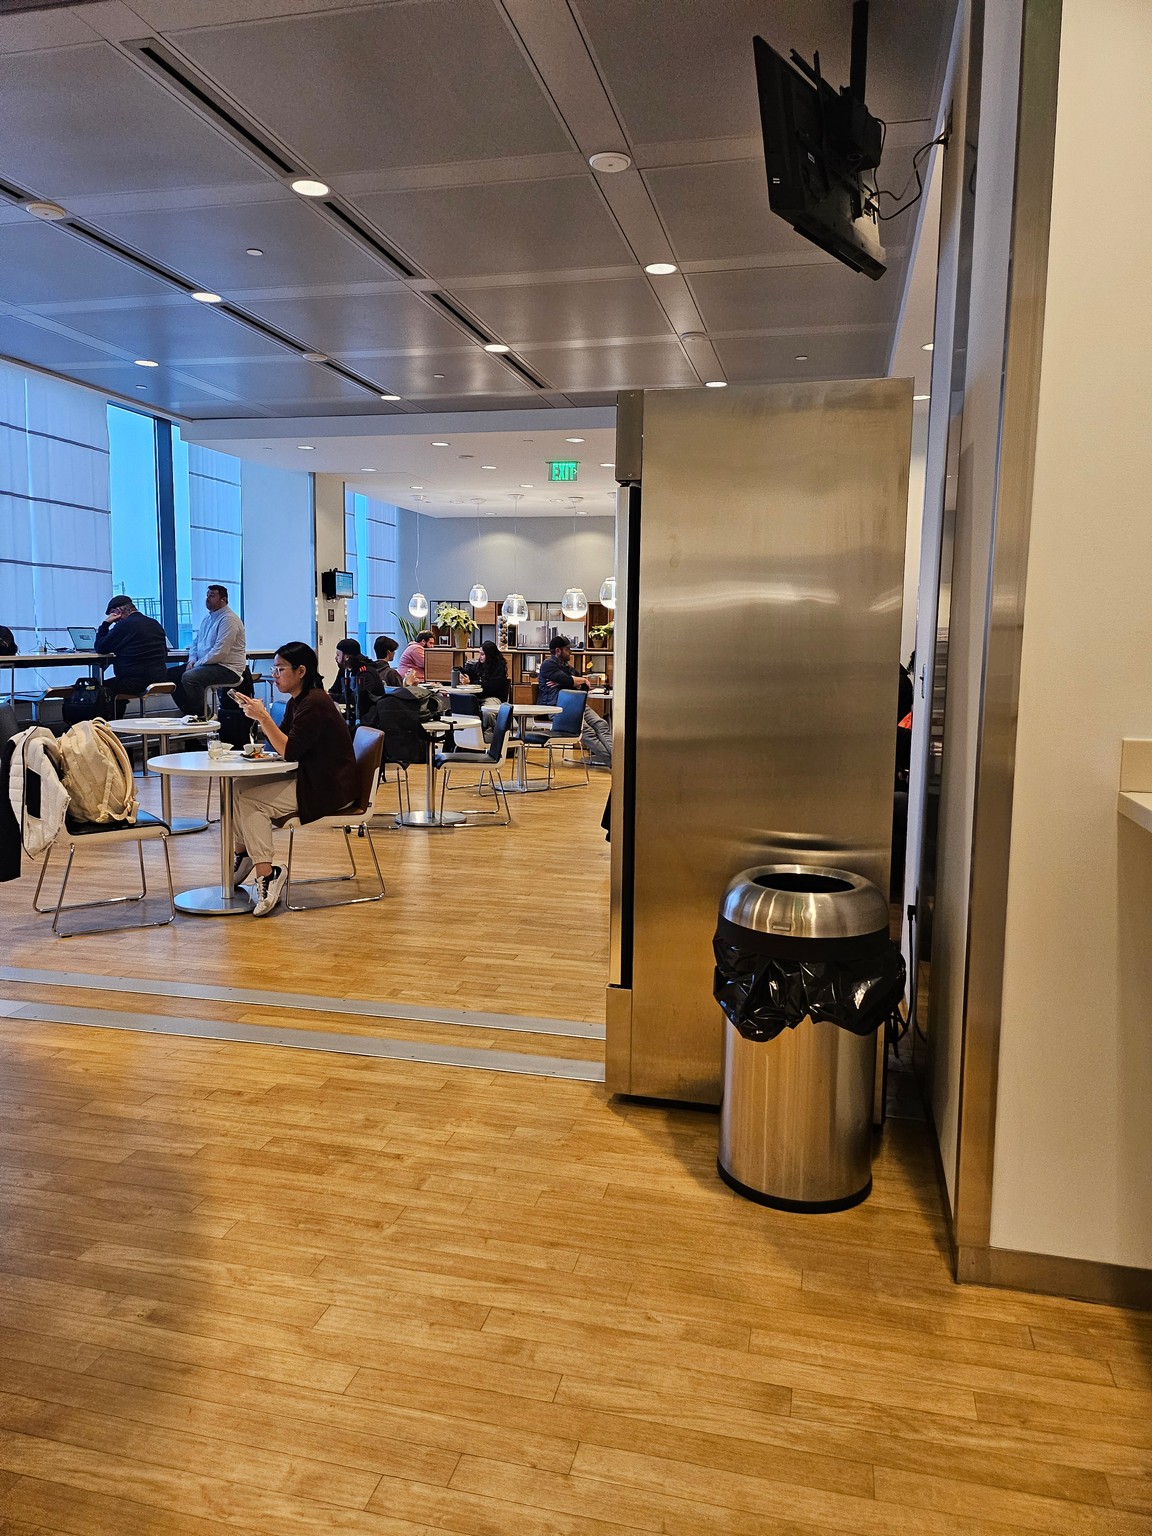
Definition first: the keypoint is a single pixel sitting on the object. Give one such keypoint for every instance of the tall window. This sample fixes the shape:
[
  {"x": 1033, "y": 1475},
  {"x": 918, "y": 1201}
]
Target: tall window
[
  {"x": 370, "y": 554},
  {"x": 135, "y": 508}
]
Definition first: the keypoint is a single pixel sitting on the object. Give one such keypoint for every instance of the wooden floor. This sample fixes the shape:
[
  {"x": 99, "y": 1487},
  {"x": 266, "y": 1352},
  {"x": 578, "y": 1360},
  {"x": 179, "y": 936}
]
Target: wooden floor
[
  {"x": 502, "y": 920},
  {"x": 249, "y": 1290}
]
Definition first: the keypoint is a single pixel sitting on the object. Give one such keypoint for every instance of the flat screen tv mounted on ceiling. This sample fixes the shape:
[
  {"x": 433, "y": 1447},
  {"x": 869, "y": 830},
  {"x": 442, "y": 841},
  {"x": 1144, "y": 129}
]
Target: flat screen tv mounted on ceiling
[{"x": 819, "y": 146}]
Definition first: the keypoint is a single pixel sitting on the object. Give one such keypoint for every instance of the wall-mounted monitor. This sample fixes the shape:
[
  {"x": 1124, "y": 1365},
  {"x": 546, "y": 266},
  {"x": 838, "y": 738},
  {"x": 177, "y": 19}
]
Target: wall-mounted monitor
[{"x": 335, "y": 584}]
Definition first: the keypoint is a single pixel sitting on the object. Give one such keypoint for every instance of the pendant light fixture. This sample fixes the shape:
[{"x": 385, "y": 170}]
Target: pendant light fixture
[
  {"x": 478, "y": 596},
  {"x": 608, "y": 592},
  {"x": 418, "y": 603},
  {"x": 514, "y": 607},
  {"x": 574, "y": 604}
]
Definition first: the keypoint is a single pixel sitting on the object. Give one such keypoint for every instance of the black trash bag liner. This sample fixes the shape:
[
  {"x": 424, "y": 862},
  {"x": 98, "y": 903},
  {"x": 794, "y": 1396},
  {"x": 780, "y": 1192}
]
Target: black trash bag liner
[{"x": 766, "y": 983}]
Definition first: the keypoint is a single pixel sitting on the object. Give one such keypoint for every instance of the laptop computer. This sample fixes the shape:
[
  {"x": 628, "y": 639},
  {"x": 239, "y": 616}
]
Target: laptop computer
[{"x": 82, "y": 639}]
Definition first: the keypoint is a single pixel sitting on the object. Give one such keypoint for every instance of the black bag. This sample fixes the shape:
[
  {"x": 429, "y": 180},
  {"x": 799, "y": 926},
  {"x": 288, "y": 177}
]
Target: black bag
[
  {"x": 235, "y": 726},
  {"x": 89, "y": 701}
]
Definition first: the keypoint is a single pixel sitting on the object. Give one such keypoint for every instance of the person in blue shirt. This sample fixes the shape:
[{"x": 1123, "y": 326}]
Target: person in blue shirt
[{"x": 556, "y": 674}]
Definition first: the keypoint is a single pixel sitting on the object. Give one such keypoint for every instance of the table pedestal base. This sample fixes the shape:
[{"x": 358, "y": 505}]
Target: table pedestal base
[
  {"x": 179, "y": 825},
  {"x": 431, "y": 819},
  {"x": 213, "y": 901}
]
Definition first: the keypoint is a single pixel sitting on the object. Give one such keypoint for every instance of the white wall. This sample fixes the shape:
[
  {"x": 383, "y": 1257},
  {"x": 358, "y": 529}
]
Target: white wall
[
  {"x": 279, "y": 563},
  {"x": 1073, "y": 1163},
  {"x": 539, "y": 557},
  {"x": 214, "y": 526}
]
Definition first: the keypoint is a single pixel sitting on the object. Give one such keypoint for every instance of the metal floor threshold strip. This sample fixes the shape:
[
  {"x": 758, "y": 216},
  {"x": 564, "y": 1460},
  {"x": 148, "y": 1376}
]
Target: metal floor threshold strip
[
  {"x": 307, "y": 1040},
  {"x": 304, "y": 1002}
]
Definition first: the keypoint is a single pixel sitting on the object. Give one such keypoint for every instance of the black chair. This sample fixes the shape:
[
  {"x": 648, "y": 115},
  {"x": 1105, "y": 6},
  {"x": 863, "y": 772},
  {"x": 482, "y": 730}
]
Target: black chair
[{"x": 488, "y": 762}]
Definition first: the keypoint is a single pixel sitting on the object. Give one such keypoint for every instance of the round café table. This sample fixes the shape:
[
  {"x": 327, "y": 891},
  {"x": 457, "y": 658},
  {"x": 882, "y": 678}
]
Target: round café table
[
  {"x": 430, "y": 816},
  {"x": 223, "y": 899},
  {"x": 521, "y": 784},
  {"x": 166, "y": 730}
]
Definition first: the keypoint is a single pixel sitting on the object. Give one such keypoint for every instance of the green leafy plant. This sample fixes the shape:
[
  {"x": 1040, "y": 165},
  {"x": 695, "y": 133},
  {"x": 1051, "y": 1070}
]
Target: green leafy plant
[
  {"x": 601, "y": 633},
  {"x": 408, "y": 627},
  {"x": 448, "y": 617}
]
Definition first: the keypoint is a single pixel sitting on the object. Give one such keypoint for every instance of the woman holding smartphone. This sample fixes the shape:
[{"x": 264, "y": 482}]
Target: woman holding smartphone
[{"x": 313, "y": 735}]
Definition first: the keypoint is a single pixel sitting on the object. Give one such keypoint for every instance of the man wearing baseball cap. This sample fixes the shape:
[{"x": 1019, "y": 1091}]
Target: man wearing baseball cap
[{"x": 138, "y": 643}]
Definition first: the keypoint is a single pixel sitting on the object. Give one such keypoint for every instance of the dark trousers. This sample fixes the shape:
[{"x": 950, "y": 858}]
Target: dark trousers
[{"x": 190, "y": 685}]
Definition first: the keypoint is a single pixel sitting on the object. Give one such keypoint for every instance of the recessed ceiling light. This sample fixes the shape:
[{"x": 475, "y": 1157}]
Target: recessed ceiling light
[
  {"x": 142, "y": 389},
  {"x": 253, "y": 250},
  {"x": 415, "y": 487},
  {"x": 389, "y": 397},
  {"x": 921, "y": 397},
  {"x": 437, "y": 375},
  {"x": 306, "y": 447},
  {"x": 660, "y": 268},
  {"x": 496, "y": 346},
  {"x": 309, "y": 188},
  {"x": 206, "y": 296},
  {"x": 439, "y": 444},
  {"x": 487, "y": 466},
  {"x": 609, "y": 161},
  {"x": 525, "y": 486},
  {"x": 314, "y": 357},
  {"x": 367, "y": 471},
  {"x": 465, "y": 455},
  {"x": 607, "y": 466},
  {"x": 801, "y": 357},
  {"x": 146, "y": 362},
  {"x": 716, "y": 384},
  {"x": 44, "y": 210},
  {"x": 573, "y": 439},
  {"x": 927, "y": 347},
  {"x": 580, "y": 512},
  {"x": 693, "y": 335}
]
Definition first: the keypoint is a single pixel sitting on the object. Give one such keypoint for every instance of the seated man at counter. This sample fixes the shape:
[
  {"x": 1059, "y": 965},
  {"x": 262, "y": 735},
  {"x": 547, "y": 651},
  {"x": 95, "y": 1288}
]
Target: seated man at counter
[
  {"x": 555, "y": 674},
  {"x": 138, "y": 644},
  {"x": 411, "y": 663},
  {"x": 218, "y": 654}
]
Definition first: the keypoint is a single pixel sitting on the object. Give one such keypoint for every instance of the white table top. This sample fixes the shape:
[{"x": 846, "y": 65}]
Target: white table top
[
  {"x": 163, "y": 725},
  {"x": 519, "y": 710},
  {"x": 235, "y": 765}
]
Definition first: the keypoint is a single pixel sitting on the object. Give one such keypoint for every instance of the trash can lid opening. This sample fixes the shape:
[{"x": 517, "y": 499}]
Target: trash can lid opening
[{"x": 812, "y": 884}]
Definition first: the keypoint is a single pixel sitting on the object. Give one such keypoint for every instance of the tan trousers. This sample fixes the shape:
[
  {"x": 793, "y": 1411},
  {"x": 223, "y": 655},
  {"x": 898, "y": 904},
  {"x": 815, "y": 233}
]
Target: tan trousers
[{"x": 255, "y": 803}]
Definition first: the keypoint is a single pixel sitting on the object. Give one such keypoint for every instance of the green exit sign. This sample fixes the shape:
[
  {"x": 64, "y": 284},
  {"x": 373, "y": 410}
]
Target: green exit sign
[{"x": 563, "y": 469}]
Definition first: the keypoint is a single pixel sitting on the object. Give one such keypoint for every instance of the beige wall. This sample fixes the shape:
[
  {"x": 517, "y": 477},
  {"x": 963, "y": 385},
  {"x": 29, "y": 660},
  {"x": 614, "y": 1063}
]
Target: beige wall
[{"x": 1073, "y": 1163}]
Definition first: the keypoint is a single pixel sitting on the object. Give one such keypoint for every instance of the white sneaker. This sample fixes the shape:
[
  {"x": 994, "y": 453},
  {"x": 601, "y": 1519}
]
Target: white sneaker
[
  {"x": 242, "y": 867},
  {"x": 269, "y": 889}
]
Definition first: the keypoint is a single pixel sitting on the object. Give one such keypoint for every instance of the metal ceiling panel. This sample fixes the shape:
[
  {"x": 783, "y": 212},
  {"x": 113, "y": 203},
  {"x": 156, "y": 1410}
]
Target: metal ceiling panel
[
  {"x": 467, "y": 370},
  {"x": 637, "y": 365},
  {"x": 85, "y": 120},
  {"x": 522, "y": 226},
  {"x": 359, "y": 322},
  {"x": 44, "y": 348},
  {"x": 541, "y": 313},
  {"x": 719, "y": 211},
  {"x": 172, "y": 333},
  {"x": 695, "y": 77},
  {"x": 281, "y": 383},
  {"x": 385, "y": 86},
  {"x": 42, "y": 265},
  {"x": 209, "y": 245},
  {"x": 772, "y": 359},
  {"x": 487, "y": 403},
  {"x": 774, "y": 298}
]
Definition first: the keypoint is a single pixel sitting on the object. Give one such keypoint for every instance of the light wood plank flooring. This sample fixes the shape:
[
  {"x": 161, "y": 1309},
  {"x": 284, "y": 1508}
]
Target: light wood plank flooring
[
  {"x": 502, "y": 920},
  {"x": 247, "y": 1290}
]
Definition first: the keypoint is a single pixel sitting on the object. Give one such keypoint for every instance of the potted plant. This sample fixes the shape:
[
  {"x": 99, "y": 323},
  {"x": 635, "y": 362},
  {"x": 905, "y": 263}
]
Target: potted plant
[
  {"x": 601, "y": 636},
  {"x": 460, "y": 623}
]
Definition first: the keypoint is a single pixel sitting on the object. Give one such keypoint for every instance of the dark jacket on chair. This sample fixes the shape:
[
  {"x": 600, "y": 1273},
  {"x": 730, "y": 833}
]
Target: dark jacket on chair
[
  {"x": 318, "y": 742},
  {"x": 398, "y": 716},
  {"x": 140, "y": 647}
]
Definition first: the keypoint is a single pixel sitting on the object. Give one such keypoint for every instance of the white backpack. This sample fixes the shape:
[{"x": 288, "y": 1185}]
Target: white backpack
[{"x": 97, "y": 773}]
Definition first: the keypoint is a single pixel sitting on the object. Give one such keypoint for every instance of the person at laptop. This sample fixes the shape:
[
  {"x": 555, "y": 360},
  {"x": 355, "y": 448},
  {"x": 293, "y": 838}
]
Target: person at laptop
[
  {"x": 218, "y": 654},
  {"x": 138, "y": 644},
  {"x": 8, "y": 646}
]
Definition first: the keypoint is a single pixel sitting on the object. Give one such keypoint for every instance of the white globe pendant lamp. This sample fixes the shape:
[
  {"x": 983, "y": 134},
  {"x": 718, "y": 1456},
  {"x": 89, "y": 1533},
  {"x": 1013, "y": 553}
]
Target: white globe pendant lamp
[
  {"x": 418, "y": 603},
  {"x": 514, "y": 608},
  {"x": 574, "y": 604},
  {"x": 478, "y": 596},
  {"x": 608, "y": 592}
]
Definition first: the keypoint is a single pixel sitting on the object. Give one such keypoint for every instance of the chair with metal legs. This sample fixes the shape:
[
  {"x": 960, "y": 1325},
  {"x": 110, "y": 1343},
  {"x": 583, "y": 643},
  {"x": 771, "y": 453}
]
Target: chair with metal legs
[
  {"x": 399, "y": 777},
  {"x": 369, "y": 748},
  {"x": 489, "y": 764},
  {"x": 566, "y": 734},
  {"x": 146, "y": 828},
  {"x": 154, "y": 691}
]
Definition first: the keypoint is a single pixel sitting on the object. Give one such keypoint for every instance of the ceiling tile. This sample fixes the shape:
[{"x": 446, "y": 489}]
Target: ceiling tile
[
  {"x": 388, "y": 85},
  {"x": 774, "y": 298},
  {"x": 208, "y": 245},
  {"x": 171, "y": 333},
  {"x": 554, "y": 312},
  {"x": 376, "y": 322},
  {"x": 720, "y": 210},
  {"x": 465, "y": 371},
  {"x": 770, "y": 360},
  {"x": 42, "y": 265},
  {"x": 640, "y": 365},
  {"x": 44, "y": 348},
  {"x": 86, "y": 120},
  {"x": 481, "y": 403},
  {"x": 520, "y": 226}
]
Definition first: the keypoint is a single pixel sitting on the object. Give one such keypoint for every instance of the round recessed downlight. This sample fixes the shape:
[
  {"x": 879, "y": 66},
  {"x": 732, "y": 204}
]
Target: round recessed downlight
[
  {"x": 389, "y": 397},
  {"x": 609, "y": 162},
  {"x": 716, "y": 384},
  {"x": 927, "y": 347},
  {"x": 306, "y": 447},
  {"x": 921, "y": 397},
  {"x": 487, "y": 466},
  {"x": 573, "y": 439},
  {"x": 146, "y": 362},
  {"x": 368, "y": 471},
  {"x": 801, "y": 357},
  {"x": 439, "y": 444},
  {"x": 526, "y": 485},
  {"x": 314, "y": 357},
  {"x": 206, "y": 296},
  {"x": 437, "y": 375},
  {"x": 607, "y": 466},
  {"x": 44, "y": 210},
  {"x": 309, "y": 188},
  {"x": 253, "y": 250},
  {"x": 660, "y": 268},
  {"x": 415, "y": 487},
  {"x": 496, "y": 346}
]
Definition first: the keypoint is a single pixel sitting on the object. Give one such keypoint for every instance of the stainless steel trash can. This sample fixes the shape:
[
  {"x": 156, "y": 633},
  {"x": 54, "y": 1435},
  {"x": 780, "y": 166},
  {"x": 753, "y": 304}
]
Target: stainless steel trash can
[{"x": 796, "y": 1116}]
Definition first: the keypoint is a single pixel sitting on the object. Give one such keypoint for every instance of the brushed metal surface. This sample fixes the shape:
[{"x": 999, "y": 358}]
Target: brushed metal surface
[
  {"x": 996, "y": 758},
  {"x": 769, "y": 568},
  {"x": 796, "y": 1120},
  {"x": 618, "y": 1038},
  {"x": 766, "y": 899}
]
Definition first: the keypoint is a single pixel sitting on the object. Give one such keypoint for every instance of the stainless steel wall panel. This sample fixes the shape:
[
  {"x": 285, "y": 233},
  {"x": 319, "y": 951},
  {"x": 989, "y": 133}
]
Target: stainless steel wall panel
[{"x": 768, "y": 576}]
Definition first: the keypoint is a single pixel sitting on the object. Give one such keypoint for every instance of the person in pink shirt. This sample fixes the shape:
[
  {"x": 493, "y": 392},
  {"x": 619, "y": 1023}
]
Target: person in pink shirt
[{"x": 412, "y": 656}]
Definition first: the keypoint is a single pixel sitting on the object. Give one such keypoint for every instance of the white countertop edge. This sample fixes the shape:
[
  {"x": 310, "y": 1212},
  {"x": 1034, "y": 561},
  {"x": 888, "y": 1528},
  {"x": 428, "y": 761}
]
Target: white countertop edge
[{"x": 1137, "y": 808}]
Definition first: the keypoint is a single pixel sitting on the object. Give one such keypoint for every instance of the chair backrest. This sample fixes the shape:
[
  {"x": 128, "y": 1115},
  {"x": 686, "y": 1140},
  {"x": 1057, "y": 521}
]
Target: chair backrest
[
  {"x": 570, "y": 720},
  {"x": 464, "y": 704},
  {"x": 9, "y": 725},
  {"x": 500, "y": 728},
  {"x": 277, "y": 710},
  {"x": 368, "y": 746}
]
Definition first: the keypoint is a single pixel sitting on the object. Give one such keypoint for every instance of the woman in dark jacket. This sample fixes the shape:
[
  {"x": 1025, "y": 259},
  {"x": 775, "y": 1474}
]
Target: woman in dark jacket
[
  {"x": 313, "y": 735},
  {"x": 490, "y": 672}
]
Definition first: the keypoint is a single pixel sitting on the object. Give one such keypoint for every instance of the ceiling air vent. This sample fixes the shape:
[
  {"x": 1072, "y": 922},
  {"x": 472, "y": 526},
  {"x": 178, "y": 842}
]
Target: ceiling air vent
[{"x": 373, "y": 241}]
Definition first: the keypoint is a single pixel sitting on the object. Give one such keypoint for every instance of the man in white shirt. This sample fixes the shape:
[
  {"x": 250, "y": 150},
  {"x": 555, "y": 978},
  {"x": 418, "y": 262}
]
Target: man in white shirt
[{"x": 218, "y": 654}]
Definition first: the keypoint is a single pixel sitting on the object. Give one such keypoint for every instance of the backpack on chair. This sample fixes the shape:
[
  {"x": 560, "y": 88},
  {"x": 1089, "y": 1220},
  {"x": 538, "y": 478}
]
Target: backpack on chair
[{"x": 97, "y": 774}]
